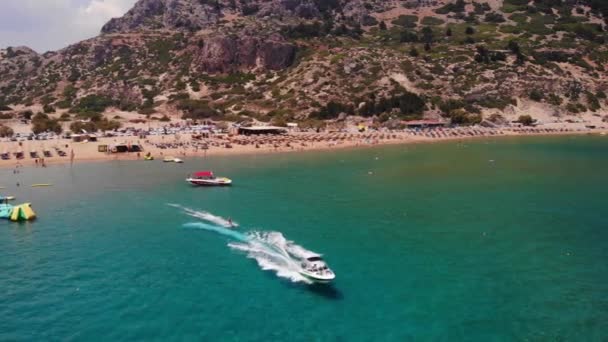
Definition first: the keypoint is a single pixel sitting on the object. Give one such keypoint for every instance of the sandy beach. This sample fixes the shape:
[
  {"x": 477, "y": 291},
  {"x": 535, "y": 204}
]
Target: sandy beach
[{"x": 184, "y": 146}]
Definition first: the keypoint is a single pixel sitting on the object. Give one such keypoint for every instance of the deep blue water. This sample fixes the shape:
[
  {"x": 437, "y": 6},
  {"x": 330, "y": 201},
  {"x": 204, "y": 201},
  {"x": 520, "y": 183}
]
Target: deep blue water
[{"x": 495, "y": 240}]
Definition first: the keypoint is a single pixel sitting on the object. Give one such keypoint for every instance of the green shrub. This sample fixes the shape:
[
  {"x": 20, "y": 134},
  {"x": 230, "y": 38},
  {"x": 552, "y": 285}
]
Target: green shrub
[
  {"x": 575, "y": 108},
  {"x": 593, "y": 102},
  {"x": 536, "y": 95},
  {"x": 47, "y": 108},
  {"x": 432, "y": 21},
  {"x": 197, "y": 109},
  {"x": 407, "y": 21},
  {"x": 6, "y": 131},
  {"x": 554, "y": 99},
  {"x": 93, "y": 103},
  {"x": 409, "y": 105},
  {"x": 526, "y": 120},
  {"x": 79, "y": 127},
  {"x": 456, "y": 7},
  {"x": 332, "y": 110}
]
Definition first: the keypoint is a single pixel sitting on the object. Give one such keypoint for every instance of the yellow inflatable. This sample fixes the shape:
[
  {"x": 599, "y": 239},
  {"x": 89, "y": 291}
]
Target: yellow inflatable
[{"x": 23, "y": 212}]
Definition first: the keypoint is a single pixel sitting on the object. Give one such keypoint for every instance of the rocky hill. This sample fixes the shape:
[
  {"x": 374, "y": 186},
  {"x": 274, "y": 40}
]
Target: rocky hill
[{"x": 283, "y": 60}]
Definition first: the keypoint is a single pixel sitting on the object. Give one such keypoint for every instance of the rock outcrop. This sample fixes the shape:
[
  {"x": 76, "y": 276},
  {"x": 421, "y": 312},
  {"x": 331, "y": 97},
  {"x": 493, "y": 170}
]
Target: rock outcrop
[
  {"x": 194, "y": 15},
  {"x": 227, "y": 54},
  {"x": 165, "y": 14}
]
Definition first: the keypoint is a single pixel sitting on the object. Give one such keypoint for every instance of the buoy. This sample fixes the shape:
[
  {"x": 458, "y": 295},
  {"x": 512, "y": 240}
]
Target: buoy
[{"x": 40, "y": 185}]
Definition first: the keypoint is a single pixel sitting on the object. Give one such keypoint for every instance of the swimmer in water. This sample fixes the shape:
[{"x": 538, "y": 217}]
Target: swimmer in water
[{"x": 230, "y": 222}]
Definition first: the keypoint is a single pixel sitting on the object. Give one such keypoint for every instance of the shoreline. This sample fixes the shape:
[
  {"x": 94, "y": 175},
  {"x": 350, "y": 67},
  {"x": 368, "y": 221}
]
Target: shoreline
[{"x": 83, "y": 151}]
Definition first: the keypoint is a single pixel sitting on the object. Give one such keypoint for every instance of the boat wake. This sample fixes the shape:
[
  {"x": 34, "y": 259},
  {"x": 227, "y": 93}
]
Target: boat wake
[
  {"x": 206, "y": 216},
  {"x": 271, "y": 250}
]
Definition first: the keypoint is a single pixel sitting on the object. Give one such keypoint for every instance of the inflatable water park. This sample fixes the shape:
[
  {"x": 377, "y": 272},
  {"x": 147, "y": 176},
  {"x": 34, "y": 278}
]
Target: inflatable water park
[{"x": 16, "y": 213}]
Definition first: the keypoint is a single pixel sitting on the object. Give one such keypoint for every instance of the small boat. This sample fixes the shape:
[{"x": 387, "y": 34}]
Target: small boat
[
  {"x": 148, "y": 156},
  {"x": 314, "y": 268},
  {"x": 206, "y": 178},
  {"x": 41, "y": 185},
  {"x": 7, "y": 198},
  {"x": 172, "y": 160}
]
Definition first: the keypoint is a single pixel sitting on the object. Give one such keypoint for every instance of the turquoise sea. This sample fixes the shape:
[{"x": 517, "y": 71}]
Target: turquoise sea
[{"x": 487, "y": 240}]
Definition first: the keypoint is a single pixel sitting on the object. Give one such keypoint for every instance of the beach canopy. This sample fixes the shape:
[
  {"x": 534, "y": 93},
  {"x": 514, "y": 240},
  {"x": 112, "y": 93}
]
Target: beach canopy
[{"x": 203, "y": 174}]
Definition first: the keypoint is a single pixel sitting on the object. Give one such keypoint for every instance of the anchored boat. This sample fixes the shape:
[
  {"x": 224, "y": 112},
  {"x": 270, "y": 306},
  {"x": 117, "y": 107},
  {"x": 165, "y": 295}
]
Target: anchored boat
[{"x": 206, "y": 178}]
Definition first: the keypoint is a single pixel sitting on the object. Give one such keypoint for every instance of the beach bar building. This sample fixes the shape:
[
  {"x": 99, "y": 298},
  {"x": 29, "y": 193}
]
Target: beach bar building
[{"x": 262, "y": 130}]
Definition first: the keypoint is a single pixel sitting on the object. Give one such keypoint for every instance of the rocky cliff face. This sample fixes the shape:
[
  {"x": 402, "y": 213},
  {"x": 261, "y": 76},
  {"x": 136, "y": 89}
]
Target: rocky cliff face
[
  {"x": 194, "y": 15},
  {"x": 165, "y": 14},
  {"x": 228, "y": 54}
]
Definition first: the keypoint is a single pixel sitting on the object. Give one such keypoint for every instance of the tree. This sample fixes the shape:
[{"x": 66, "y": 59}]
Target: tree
[
  {"x": 414, "y": 52},
  {"x": 27, "y": 115},
  {"x": 79, "y": 127},
  {"x": 448, "y": 32},
  {"x": 93, "y": 103},
  {"x": 427, "y": 35},
  {"x": 382, "y": 26},
  {"x": 6, "y": 131},
  {"x": 408, "y": 36},
  {"x": 469, "y": 30},
  {"x": 514, "y": 47},
  {"x": 526, "y": 120},
  {"x": 42, "y": 123}
]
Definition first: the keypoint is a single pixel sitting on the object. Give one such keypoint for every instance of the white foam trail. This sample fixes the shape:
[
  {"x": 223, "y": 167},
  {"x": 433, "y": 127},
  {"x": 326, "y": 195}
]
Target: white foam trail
[
  {"x": 271, "y": 250},
  {"x": 224, "y": 231},
  {"x": 206, "y": 216},
  {"x": 272, "y": 253}
]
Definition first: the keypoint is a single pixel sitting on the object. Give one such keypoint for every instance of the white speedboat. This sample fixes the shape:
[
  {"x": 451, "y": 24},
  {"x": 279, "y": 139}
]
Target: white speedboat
[
  {"x": 206, "y": 178},
  {"x": 315, "y": 269}
]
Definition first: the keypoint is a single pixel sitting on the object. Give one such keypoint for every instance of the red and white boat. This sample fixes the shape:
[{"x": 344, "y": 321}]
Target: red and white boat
[{"x": 206, "y": 178}]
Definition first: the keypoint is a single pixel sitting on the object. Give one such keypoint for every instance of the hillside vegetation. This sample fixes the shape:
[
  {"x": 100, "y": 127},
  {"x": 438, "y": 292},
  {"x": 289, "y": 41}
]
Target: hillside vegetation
[{"x": 290, "y": 60}]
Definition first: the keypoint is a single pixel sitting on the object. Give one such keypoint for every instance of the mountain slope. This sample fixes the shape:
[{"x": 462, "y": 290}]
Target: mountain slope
[{"x": 295, "y": 59}]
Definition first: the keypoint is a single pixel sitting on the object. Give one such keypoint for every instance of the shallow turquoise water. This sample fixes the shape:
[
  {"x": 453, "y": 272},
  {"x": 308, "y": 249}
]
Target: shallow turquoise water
[{"x": 494, "y": 240}]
